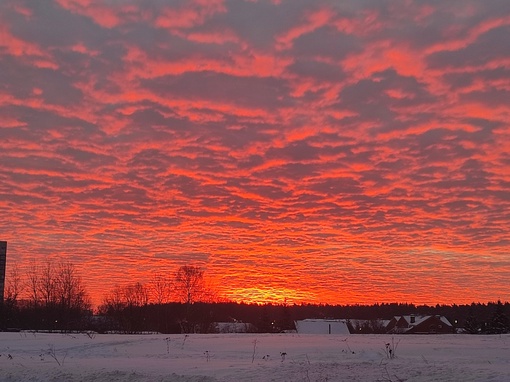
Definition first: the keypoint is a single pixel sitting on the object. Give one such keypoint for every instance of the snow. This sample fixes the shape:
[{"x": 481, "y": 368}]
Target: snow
[
  {"x": 419, "y": 319},
  {"x": 315, "y": 326},
  {"x": 252, "y": 357}
]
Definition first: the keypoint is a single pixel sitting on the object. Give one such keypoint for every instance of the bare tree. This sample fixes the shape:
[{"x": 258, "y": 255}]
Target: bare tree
[
  {"x": 136, "y": 295},
  {"x": 125, "y": 306},
  {"x": 113, "y": 303},
  {"x": 119, "y": 298},
  {"x": 14, "y": 285},
  {"x": 46, "y": 284},
  {"x": 114, "y": 300},
  {"x": 33, "y": 285},
  {"x": 189, "y": 284},
  {"x": 69, "y": 290},
  {"x": 191, "y": 287},
  {"x": 57, "y": 295},
  {"x": 9, "y": 306},
  {"x": 160, "y": 288}
]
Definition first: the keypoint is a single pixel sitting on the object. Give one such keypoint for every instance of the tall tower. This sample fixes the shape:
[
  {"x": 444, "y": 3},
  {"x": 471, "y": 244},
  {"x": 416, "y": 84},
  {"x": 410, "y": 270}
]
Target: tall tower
[{"x": 3, "y": 260}]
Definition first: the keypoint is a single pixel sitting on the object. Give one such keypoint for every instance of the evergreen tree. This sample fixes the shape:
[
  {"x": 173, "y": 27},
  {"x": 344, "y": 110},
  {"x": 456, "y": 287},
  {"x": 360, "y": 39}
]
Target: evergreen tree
[
  {"x": 265, "y": 325},
  {"x": 499, "y": 323},
  {"x": 285, "y": 322},
  {"x": 472, "y": 324}
]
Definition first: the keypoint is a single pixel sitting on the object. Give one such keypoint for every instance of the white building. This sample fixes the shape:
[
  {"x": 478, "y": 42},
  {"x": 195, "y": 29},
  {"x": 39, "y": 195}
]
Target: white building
[
  {"x": 318, "y": 326},
  {"x": 234, "y": 327}
]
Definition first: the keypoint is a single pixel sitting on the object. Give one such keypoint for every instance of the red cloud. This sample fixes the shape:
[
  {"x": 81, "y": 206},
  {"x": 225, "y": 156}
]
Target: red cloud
[{"x": 321, "y": 145}]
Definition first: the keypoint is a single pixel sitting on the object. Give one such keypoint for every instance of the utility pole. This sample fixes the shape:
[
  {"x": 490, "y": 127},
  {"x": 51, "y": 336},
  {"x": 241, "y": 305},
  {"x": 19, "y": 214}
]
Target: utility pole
[{"x": 3, "y": 260}]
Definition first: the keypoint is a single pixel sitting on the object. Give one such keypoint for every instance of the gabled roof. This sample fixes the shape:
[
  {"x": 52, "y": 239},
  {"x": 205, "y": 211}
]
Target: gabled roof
[
  {"x": 417, "y": 319},
  {"x": 322, "y": 320},
  {"x": 405, "y": 323}
]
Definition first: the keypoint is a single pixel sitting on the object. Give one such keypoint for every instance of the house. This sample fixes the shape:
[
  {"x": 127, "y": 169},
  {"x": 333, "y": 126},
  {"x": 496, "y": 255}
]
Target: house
[
  {"x": 233, "y": 327},
  {"x": 322, "y": 326},
  {"x": 415, "y": 324}
]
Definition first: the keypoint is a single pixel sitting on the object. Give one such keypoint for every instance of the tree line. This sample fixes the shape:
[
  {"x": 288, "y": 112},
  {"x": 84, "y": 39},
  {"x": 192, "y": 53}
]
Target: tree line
[{"x": 53, "y": 297}]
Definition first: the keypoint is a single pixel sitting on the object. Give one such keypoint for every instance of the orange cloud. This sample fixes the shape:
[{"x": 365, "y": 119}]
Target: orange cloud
[{"x": 322, "y": 153}]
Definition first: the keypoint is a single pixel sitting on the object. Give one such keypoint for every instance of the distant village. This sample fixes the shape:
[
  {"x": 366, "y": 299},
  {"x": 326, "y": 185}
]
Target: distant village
[
  {"x": 410, "y": 324},
  {"x": 231, "y": 317},
  {"x": 56, "y": 300}
]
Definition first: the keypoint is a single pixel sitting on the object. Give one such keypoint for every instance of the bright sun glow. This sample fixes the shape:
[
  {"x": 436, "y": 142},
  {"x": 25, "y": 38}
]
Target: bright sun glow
[{"x": 301, "y": 151}]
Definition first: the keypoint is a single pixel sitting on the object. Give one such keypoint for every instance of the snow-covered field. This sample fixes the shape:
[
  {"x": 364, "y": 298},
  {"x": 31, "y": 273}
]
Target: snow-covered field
[{"x": 252, "y": 357}]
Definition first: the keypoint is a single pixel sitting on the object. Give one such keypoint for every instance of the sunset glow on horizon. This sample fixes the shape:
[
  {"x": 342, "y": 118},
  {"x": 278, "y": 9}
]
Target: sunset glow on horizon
[{"x": 297, "y": 151}]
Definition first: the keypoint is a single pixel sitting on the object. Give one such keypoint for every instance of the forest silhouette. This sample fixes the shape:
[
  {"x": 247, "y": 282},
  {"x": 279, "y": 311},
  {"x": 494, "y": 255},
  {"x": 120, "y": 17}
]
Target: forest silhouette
[{"x": 53, "y": 297}]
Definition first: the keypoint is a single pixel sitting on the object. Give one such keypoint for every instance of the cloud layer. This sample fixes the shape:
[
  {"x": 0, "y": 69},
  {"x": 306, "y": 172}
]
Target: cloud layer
[{"x": 325, "y": 151}]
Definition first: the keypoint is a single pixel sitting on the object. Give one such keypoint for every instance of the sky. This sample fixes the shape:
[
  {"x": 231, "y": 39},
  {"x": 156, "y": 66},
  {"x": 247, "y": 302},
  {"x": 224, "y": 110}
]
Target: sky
[{"x": 301, "y": 151}]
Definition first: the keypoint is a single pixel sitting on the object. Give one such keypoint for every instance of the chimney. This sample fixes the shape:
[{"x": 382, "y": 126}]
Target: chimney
[{"x": 413, "y": 319}]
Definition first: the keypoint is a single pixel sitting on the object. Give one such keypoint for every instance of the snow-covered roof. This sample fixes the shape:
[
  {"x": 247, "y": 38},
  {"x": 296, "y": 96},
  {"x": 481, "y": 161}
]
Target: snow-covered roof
[
  {"x": 418, "y": 319},
  {"x": 322, "y": 326},
  {"x": 323, "y": 320},
  {"x": 445, "y": 321},
  {"x": 233, "y": 327}
]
